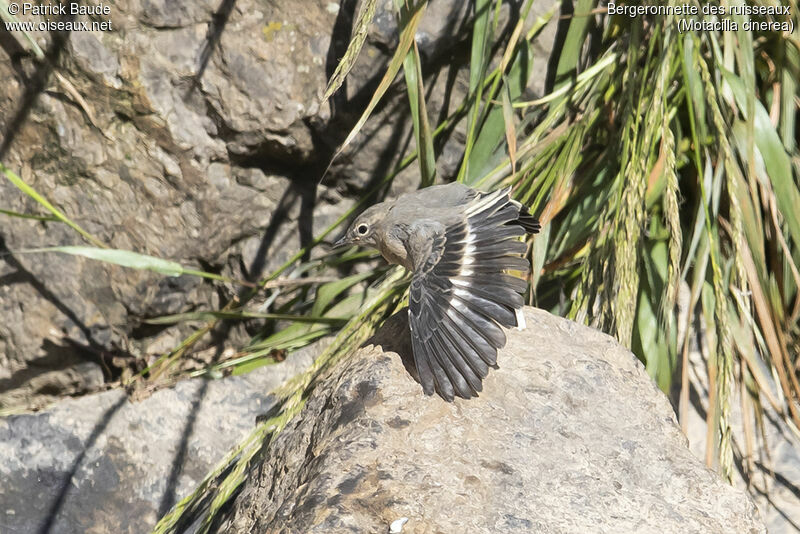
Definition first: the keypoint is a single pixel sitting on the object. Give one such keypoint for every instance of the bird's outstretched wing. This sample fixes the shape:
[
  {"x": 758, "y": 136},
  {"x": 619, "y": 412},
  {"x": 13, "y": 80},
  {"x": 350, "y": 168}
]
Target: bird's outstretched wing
[{"x": 460, "y": 295}]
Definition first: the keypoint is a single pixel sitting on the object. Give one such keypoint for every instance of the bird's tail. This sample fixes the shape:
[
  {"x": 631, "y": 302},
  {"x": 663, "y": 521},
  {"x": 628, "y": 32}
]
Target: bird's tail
[{"x": 525, "y": 219}]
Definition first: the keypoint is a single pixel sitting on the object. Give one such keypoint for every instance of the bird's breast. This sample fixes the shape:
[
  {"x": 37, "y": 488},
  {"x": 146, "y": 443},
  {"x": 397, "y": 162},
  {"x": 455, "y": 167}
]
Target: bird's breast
[{"x": 394, "y": 251}]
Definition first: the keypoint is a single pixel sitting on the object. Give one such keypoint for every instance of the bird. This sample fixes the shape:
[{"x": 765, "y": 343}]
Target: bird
[{"x": 460, "y": 244}]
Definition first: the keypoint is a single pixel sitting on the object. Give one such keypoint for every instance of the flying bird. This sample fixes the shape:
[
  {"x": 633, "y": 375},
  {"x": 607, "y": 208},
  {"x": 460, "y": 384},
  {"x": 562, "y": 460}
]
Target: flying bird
[{"x": 460, "y": 243}]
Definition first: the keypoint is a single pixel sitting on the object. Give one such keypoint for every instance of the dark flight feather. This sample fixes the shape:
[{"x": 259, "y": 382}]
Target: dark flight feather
[
  {"x": 465, "y": 348},
  {"x": 451, "y": 362}
]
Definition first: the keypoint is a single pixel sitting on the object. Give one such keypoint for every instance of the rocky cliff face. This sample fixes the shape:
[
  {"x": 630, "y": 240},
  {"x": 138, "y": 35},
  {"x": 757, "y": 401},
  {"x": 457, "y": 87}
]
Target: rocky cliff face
[
  {"x": 191, "y": 131},
  {"x": 569, "y": 435}
]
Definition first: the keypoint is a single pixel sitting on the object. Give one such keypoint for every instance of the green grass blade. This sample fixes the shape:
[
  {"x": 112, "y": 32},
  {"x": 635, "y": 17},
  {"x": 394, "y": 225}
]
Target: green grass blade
[
  {"x": 28, "y": 216},
  {"x": 481, "y": 40},
  {"x": 403, "y": 46},
  {"x": 365, "y": 16},
  {"x": 789, "y": 88},
  {"x": 124, "y": 258},
  {"x": 412, "y": 68},
  {"x": 567, "y": 66},
  {"x": 328, "y": 292},
  {"x": 488, "y": 150},
  {"x": 31, "y": 192},
  {"x": 539, "y": 254},
  {"x": 132, "y": 260},
  {"x": 773, "y": 153},
  {"x": 479, "y": 60},
  {"x": 510, "y": 128},
  {"x": 419, "y": 116},
  {"x": 243, "y": 316}
]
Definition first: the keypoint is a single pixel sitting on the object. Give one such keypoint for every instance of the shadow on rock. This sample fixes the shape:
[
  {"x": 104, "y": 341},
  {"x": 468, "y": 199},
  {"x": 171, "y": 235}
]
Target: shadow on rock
[{"x": 395, "y": 336}]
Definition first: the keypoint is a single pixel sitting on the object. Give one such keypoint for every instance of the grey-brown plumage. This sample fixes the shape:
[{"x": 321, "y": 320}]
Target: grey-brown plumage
[{"x": 459, "y": 242}]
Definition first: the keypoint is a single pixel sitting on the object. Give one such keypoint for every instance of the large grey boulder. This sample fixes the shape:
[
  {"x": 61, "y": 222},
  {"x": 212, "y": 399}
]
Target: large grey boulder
[
  {"x": 570, "y": 435},
  {"x": 105, "y": 465}
]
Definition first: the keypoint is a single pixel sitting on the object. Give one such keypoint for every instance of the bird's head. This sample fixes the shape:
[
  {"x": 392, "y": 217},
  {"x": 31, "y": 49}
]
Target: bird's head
[{"x": 363, "y": 231}]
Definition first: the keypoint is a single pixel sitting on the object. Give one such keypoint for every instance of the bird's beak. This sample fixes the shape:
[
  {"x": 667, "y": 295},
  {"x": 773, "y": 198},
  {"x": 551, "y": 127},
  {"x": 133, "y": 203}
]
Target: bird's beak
[{"x": 342, "y": 242}]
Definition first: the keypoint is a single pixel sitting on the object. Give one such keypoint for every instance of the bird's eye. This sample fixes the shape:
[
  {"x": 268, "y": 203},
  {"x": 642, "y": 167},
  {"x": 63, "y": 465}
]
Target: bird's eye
[{"x": 362, "y": 229}]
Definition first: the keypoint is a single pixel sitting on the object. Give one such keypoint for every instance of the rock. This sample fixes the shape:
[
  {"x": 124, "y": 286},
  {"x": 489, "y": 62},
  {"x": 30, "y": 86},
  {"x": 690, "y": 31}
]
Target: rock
[
  {"x": 569, "y": 435},
  {"x": 102, "y": 464},
  {"x": 207, "y": 143},
  {"x": 198, "y": 137}
]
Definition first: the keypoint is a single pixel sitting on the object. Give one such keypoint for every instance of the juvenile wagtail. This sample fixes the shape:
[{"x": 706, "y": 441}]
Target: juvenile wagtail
[{"x": 459, "y": 243}]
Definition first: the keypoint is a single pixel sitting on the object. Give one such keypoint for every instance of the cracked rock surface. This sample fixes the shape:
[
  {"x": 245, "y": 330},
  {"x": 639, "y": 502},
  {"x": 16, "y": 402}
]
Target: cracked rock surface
[{"x": 569, "y": 435}]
